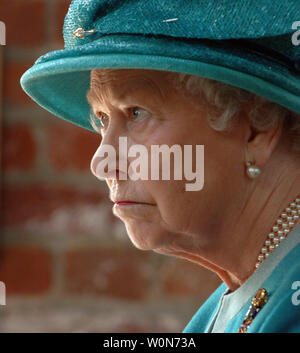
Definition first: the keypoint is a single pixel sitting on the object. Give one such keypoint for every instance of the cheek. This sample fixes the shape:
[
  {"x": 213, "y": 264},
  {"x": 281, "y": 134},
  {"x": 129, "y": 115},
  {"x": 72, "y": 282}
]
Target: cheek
[
  {"x": 174, "y": 204},
  {"x": 224, "y": 165}
]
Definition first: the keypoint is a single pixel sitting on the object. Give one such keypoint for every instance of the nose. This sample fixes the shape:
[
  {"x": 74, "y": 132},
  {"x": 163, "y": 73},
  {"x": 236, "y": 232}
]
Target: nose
[
  {"x": 104, "y": 163},
  {"x": 99, "y": 164}
]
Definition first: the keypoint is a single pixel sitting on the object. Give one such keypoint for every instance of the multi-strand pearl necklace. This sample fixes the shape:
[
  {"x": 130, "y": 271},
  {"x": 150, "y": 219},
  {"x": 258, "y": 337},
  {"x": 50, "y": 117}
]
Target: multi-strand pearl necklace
[{"x": 283, "y": 226}]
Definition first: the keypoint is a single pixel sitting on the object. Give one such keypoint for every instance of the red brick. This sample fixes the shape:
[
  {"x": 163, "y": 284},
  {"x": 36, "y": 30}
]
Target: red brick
[
  {"x": 111, "y": 272},
  {"x": 25, "y": 22},
  {"x": 184, "y": 278},
  {"x": 60, "y": 12},
  {"x": 25, "y": 270},
  {"x": 37, "y": 202},
  {"x": 71, "y": 147},
  {"x": 12, "y": 90},
  {"x": 130, "y": 327},
  {"x": 19, "y": 149}
]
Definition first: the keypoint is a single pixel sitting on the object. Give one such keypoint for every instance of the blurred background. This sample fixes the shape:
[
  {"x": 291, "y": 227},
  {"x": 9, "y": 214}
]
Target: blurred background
[{"x": 66, "y": 261}]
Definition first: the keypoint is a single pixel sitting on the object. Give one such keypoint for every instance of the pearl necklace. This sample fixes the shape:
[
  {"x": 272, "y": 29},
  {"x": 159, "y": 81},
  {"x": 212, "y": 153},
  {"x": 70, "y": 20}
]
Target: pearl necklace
[{"x": 283, "y": 226}]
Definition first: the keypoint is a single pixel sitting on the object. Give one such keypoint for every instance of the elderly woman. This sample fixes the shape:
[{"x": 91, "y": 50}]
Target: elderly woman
[{"x": 194, "y": 74}]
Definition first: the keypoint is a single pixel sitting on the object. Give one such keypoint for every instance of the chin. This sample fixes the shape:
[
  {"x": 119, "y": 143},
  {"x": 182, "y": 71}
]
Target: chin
[{"x": 147, "y": 236}]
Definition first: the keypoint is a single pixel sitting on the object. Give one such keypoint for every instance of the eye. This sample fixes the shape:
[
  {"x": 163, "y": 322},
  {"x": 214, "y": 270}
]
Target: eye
[
  {"x": 103, "y": 118},
  {"x": 98, "y": 121},
  {"x": 139, "y": 113}
]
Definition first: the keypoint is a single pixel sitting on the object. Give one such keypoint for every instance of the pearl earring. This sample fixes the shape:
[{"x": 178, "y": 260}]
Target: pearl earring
[{"x": 252, "y": 170}]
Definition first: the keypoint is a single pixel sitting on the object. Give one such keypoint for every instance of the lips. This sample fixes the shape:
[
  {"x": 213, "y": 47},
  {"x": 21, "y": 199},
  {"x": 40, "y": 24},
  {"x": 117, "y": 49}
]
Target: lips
[
  {"x": 125, "y": 202},
  {"x": 130, "y": 202}
]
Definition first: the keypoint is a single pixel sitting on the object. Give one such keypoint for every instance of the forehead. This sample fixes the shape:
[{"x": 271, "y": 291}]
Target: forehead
[
  {"x": 119, "y": 83},
  {"x": 110, "y": 76}
]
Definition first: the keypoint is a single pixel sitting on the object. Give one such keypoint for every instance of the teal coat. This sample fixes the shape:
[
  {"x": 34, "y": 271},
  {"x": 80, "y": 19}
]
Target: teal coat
[{"x": 281, "y": 313}]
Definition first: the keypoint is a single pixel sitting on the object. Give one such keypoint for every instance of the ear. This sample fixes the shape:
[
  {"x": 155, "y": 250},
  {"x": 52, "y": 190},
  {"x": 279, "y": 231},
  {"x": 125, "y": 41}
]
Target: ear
[{"x": 260, "y": 145}]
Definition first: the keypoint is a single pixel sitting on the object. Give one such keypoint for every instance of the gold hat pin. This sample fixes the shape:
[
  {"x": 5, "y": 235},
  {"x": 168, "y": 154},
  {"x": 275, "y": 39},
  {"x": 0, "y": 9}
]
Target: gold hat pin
[{"x": 81, "y": 32}]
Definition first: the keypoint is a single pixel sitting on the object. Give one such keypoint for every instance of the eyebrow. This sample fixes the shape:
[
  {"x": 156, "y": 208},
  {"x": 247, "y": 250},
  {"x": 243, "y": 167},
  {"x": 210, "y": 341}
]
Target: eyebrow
[{"x": 129, "y": 86}]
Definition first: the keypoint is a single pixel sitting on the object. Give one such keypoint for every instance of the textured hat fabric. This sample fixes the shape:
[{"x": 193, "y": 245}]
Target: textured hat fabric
[{"x": 246, "y": 43}]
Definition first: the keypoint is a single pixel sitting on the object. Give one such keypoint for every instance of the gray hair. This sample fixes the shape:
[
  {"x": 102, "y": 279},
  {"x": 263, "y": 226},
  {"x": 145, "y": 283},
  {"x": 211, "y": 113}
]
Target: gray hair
[{"x": 228, "y": 101}]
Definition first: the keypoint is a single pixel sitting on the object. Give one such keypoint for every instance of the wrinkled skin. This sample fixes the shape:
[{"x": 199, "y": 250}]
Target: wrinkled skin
[{"x": 222, "y": 226}]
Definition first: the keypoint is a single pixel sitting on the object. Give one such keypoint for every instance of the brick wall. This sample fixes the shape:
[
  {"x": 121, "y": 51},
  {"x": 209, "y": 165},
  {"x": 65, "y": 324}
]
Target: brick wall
[{"x": 65, "y": 259}]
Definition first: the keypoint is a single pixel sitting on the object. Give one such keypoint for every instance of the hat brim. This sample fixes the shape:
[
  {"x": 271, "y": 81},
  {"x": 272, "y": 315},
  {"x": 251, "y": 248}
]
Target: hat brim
[{"x": 59, "y": 80}]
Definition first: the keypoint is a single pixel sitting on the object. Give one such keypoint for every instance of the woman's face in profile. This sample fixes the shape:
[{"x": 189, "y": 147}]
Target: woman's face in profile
[{"x": 145, "y": 107}]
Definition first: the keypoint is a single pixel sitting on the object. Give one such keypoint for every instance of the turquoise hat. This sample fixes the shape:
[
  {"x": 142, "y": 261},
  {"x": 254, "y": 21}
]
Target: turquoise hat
[{"x": 251, "y": 44}]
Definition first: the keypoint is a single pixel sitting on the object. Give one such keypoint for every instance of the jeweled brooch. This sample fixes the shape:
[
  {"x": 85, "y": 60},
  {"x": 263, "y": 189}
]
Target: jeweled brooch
[{"x": 257, "y": 304}]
